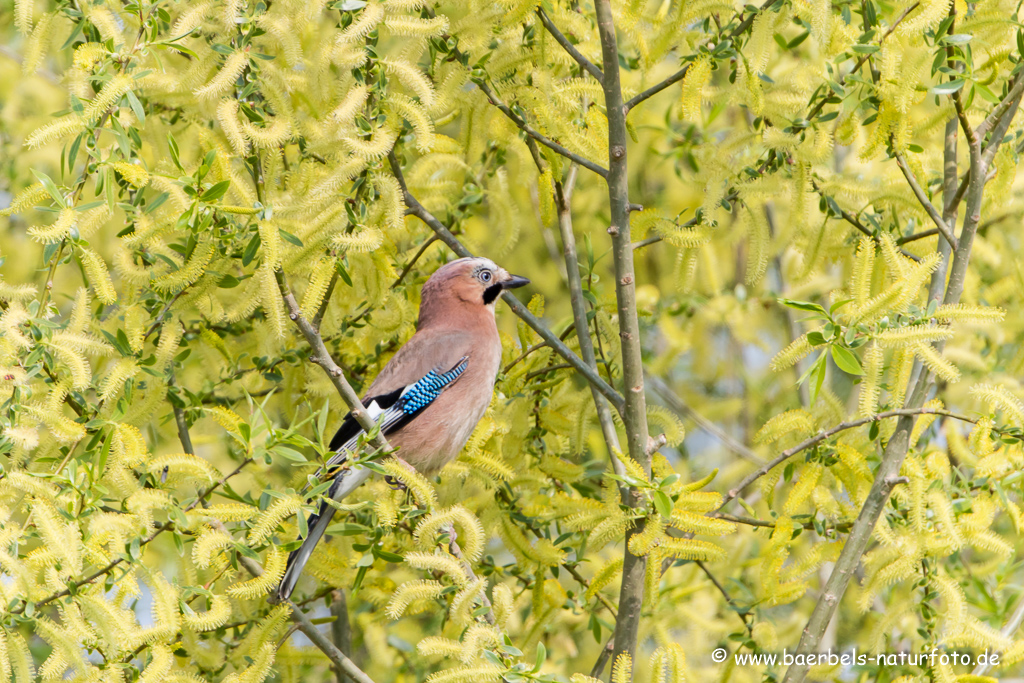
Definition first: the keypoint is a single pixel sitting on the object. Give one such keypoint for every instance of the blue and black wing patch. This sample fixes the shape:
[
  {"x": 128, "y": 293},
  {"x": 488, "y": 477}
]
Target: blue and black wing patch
[{"x": 398, "y": 407}]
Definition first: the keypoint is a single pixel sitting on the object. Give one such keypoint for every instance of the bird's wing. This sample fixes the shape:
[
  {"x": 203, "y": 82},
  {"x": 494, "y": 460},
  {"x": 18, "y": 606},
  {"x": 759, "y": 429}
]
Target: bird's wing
[{"x": 393, "y": 410}]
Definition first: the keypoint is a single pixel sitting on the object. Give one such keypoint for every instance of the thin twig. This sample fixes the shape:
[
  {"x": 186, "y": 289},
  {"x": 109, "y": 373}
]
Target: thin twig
[
  {"x": 337, "y": 657},
  {"x": 584, "y": 63},
  {"x": 634, "y": 413},
  {"x": 932, "y": 212},
  {"x": 826, "y": 434},
  {"x": 563, "y": 202},
  {"x": 679, "y": 75},
  {"x": 322, "y": 357},
  {"x": 918, "y": 236}
]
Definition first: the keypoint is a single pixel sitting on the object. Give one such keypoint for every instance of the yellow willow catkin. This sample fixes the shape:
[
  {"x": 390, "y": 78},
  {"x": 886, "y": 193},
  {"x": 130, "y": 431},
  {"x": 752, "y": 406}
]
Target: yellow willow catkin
[
  {"x": 37, "y": 44},
  {"x": 23, "y": 10},
  {"x": 61, "y": 228},
  {"x": 269, "y": 137},
  {"x": 267, "y": 522},
  {"x": 232, "y": 68},
  {"x": 55, "y": 130},
  {"x": 273, "y": 570},
  {"x": 190, "y": 272},
  {"x": 319, "y": 282},
  {"x": 99, "y": 277},
  {"x": 909, "y": 336},
  {"x": 471, "y": 532},
  {"x": 439, "y": 561},
  {"x": 697, "y": 78},
  {"x": 134, "y": 174},
  {"x": 934, "y": 361},
  {"x": 874, "y": 358},
  {"x": 108, "y": 96},
  {"x": 411, "y": 77},
  {"x": 409, "y": 592},
  {"x": 113, "y": 383},
  {"x": 26, "y": 199},
  {"x": 622, "y": 671},
  {"x": 208, "y": 544},
  {"x": 270, "y": 298},
  {"x": 404, "y": 25},
  {"x": 227, "y": 116}
]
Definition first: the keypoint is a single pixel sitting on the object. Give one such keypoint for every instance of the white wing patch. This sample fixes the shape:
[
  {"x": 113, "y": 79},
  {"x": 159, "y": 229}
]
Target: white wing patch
[{"x": 374, "y": 410}]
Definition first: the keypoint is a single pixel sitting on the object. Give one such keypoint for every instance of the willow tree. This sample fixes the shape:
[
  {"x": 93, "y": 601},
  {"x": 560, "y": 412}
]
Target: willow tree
[{"x": 789, "y": 226}]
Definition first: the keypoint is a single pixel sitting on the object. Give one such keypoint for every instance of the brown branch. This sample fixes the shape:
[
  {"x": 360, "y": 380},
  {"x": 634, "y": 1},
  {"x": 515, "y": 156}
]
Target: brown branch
[
  {"x": 337, "y": 657},
  {"x": 322, "y": 357},
  {"x": 918, "y": 236},
  {"x": 634, "y": 417},
  {"x": 679, "y": 75},
  {"x": 584, "y": 63},
  {"x": 826, "y": 434},
  {"x": 1001, "y": 109},
  {"x": 493, "y": 98},
  {"x": 932, "y": 212},
  {"x": 563, "y": 197}
]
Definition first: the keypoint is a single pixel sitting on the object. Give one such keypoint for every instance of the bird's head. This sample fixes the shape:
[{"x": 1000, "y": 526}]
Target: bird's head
[{"x": 466, "y": 282}]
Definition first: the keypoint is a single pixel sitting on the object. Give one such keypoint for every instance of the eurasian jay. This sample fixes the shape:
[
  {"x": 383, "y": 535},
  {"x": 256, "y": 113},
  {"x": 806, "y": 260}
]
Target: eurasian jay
[{"x": 431, "y": 394}]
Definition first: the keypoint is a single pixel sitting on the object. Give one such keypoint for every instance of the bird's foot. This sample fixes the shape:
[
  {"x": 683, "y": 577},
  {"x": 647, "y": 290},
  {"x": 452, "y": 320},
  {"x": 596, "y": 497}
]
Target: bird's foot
[{"x": 394, "y": 483}]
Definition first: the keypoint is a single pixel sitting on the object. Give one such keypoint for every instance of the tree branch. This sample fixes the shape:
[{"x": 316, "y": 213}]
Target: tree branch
[
  {"x": 445, "y": 235},
  {"x": 1001, "y": 109},
  {"x": 584, "y": 63},
  {"x": 336, "y": 656},
  {"x": 493, "y": 98},
  {"x": 681, "y": 74},
  {"x": 563, "y": 196},
  {"x": 898, "y": 444},
  {"x": 631, "y": 592},
  {"x": 932, "y": 212},
  {"x": 322, "y": 357},
  {"x": 826, "y": 434},
  {"x": 341, "y": 635}
]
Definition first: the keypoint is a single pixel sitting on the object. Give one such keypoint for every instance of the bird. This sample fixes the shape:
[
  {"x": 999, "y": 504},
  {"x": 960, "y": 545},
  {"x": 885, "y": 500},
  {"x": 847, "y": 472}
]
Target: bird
[{"x": 431, "y": 394}]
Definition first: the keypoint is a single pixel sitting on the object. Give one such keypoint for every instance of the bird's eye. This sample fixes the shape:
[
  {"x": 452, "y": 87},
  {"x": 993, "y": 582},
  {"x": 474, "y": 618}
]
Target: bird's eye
[{"x": 485, "y": 276}]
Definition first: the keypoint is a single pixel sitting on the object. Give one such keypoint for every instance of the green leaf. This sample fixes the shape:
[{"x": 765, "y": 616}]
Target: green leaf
[
  {"x": 956, "y": 39},
  {"x": 846, "y": 360},
  {"x": 805, "y": 306},
  {"x": 388, "y": 556},
  {"x": 663, "y": 503},
  {"x": 948, "y": 88},
  {"x": 289, "y": 454},
  {"x": 865, "y": 49},
  {"x": 288, "y": 237},
  {"x": 216, "y": 192},
  {"x": 51, "y": 188},
  {"x": 815, "y": 338},
  {"x": 542, "y": 655},
  {"x": 137, "y": 108},
  {"x": 250, "y": 250},
  {"x": 173, "y": 145},
  {"x": 820, "y": 368}
]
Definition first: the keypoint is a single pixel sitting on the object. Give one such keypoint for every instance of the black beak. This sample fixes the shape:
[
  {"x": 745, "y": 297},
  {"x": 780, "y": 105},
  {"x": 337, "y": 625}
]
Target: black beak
[{"x": 514, "y": 281}]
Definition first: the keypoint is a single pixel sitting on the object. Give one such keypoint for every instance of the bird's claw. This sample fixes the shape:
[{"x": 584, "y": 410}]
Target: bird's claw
[{"x": 395, "y": 484}]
